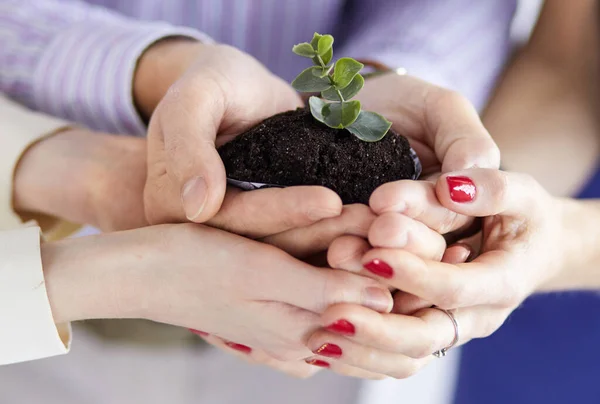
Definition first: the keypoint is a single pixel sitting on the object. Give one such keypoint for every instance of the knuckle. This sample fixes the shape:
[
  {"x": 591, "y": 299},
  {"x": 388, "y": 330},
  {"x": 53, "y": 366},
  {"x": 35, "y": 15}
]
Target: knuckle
[
  {"x": 441, "y": 97},
  {"x": 342, "y": 287},
  {"x": 448, "y": 222}
]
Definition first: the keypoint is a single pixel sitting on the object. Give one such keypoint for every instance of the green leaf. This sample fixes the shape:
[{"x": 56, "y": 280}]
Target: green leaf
[
  {"x": 325, "y": 44},
  {"x": 308, "y": 82},
  {"x": 350, "y": 91},
  {"x": 315, "y": 41},
  {"x": 369, "y": 126},
  {"x": 341, "y": 114},
  {"x": 335, "y": 115},
  {"x": 304, "y": 49},
  {"x": 327, "y": 56},
  {"x": 316, "y": 108},
  {"x": 345, "y": 70},
  {"x": 322, "y": 71}
]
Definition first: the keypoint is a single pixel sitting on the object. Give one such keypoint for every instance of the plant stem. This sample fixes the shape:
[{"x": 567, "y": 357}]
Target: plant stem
[{"x": 339, "y": 93}]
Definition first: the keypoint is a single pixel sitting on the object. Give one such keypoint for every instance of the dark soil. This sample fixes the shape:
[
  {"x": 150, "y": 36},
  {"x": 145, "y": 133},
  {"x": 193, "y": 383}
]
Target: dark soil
[{"x": 292, "y": 148}]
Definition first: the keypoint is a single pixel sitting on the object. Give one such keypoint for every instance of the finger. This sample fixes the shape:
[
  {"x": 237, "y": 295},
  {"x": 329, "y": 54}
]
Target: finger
[
  {"x": 417, "y": 200},
  {"x": 487, "y": 192},
  {"x": 334, "y": 347},
  {"x": 346, "y": 253},
  {"x": 270, "y": 211},
  {"x": 457, "y": 253},
  {"x": 455, "y": 130},
  {"x": 285, "y": 279},
  {"x": 354, "y": 220},
  {"x": 408, "y": 304},
  {"x": 394, "y": 230},
  {"x": 416, "y": 336},
  {"x": 344, "y": 370},
  {"x": 193, "y": 174},
  {"x": 486, "y": 280},
  {"x": 299, "y": 369},
  {"x": 413, "y": 336}
]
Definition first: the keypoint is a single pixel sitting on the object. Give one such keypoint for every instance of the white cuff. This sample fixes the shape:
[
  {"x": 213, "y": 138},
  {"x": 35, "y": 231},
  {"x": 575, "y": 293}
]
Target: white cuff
[
  {"x": 27, "y": 329},
  {"x": 19, "y": 128}
]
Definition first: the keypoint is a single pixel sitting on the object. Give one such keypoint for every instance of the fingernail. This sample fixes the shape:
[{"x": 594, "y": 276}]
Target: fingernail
[
  {"x": 318, "y": 362},
  {"x": 378, "y": 299},
  {"x": 198, "y": 332},
  {"x": 329, "y": 350},
  {"x": 193, "y": 197},
  {"x": 342, "y": 326},
  {"x": 239, "y": 347},
  {"x": 380, "y": 268},
  {"x": 462, "y": 189}
]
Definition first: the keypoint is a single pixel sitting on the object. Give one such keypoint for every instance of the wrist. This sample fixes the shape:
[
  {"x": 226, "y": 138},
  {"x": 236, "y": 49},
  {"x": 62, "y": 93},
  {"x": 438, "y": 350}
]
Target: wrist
[
  {"x": 42, "y": 179},
  {"x": 576, "y": 246},
  {"x": 96, "y": 277},
  {"x": 159, "y": 67}
]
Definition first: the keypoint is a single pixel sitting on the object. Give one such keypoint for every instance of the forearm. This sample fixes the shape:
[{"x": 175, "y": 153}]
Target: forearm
[
  {"x": 75, "y": 60},
  {"x": 546, "y": 102},
  {"x": 98, "y": 276}
]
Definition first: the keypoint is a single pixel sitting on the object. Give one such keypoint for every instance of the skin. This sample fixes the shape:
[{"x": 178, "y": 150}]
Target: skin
[
  {"x": 198, "y": 99},
  {"x": 530, "y": 242}
]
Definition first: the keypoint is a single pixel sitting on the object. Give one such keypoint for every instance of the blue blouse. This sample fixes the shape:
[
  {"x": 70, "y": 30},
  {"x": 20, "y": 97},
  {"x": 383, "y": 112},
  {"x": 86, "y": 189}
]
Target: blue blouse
[{"x": 545, "y": 353}]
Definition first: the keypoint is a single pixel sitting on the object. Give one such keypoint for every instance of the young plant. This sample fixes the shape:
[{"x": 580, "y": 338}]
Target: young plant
[{"x": 337, "y": 83}]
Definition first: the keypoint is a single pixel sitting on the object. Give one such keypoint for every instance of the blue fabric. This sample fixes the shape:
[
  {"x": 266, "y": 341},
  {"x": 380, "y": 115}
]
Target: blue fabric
[{"x": 545, "y": 353}]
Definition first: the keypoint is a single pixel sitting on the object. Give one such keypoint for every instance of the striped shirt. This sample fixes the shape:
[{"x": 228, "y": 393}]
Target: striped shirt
[{"x": 76, "y": 59}]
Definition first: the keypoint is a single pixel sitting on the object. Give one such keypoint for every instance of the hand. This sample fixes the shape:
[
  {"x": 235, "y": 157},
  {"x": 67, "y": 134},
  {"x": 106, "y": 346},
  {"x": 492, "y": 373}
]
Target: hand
[
  {"x": 441, "y": 125},
  {"x": 84, "y": 177},
  {"x": 197, "y": 277},
  {"x": 98, "y": 179},
  {"x": 308, "y": 243},
  {"x": 522, "y": 250},
  {"x": 220, "y": 92}
]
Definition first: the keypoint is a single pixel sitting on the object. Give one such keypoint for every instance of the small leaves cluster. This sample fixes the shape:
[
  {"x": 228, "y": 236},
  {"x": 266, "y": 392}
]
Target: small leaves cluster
[{"x": 337, "y": 83}]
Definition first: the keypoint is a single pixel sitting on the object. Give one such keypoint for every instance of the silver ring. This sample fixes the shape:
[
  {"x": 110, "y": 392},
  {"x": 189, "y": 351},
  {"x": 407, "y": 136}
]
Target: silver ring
[{"x": 442, "y": 352}]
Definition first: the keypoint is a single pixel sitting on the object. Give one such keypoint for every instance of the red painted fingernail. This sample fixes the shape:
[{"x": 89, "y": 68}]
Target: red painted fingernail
[
  {"x": 342, "y": 326},
  {"x": 318, "y": 362},
  {"x": 200, "y": 333},
  {"x": 330, "y": 350},
  {"x": 379, "y": 267},
  {"x": 239, "y": 347},
  {"x": 462, "y": 189}
]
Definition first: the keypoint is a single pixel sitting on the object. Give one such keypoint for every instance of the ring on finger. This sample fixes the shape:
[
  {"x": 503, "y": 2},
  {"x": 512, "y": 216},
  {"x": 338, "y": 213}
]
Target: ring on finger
[{"x": 442, "y": 352}]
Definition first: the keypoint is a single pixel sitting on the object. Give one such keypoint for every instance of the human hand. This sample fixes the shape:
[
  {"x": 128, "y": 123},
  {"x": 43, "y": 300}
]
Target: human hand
[
  {"x": 441, "y": 125},
  {"x": 522, "y": 250},
  {"x": 198, "y": 277},
  {"x": 98, "y": 179},
  {"x": 218, "y": 93},
  {"x": 84, "y": 177}
]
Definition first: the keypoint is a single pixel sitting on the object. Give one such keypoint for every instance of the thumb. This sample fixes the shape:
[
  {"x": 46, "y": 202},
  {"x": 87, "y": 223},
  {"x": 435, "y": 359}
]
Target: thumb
[
  {"x": 189, "y": 176},
  {"x": 482, "y": 192},
  {"x": 459, "y": 138}
]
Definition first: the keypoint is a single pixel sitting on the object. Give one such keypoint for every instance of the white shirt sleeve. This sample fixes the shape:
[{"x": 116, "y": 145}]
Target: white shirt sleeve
[{"x": 27, "y": 329}]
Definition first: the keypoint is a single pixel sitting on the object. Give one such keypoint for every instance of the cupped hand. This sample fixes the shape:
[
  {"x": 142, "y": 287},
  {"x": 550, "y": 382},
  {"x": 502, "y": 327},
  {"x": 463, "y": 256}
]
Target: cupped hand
[
  {"x": 442, "y": 126},
  {"x": 221, "y": 93},
  {"x": 521, "y": 252}
]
